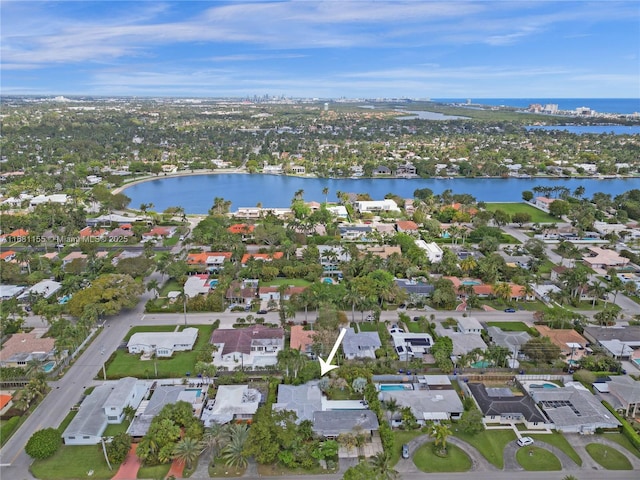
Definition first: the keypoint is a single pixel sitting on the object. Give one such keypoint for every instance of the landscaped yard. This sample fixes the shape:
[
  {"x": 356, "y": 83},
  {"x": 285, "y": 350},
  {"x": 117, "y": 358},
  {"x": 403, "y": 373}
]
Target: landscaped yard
[
  {"x": 125, "y": 364},
  {"x": 537, "y": 216},
  {"x": 490, "y": 443},
  {"x": 115, "y": 428},
  {"x": 221, "y": 470},
  {"x": 427, "y": 461},
  {"x": 278, "y": 470},
  {"x": 620, "y": 439},
  {"x": 72, "y": 461},
  {"x": 608, "y": 457},
  {"x": 157, "y": 471},
  {"x": 276, "y": 282},
  {"x": 559, "y": 441},
  {"x": 537, "y": 459},
  {"x": 400, "y": 437},
  {"x": 510, "y": 326}
]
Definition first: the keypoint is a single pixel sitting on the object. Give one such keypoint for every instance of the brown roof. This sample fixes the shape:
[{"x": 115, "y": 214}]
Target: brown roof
[
  {"x": 239, "y": 340},
  {"x": 561, "y": 337},
  {"x": 300, "y": 338},
  {"x": 407, "y": 225},
  {"x": 25, "y": 343}
]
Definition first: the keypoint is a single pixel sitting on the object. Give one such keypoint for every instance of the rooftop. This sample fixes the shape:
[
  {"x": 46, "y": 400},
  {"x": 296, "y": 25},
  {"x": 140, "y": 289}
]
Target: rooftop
[{"x": 502, "y": 404}]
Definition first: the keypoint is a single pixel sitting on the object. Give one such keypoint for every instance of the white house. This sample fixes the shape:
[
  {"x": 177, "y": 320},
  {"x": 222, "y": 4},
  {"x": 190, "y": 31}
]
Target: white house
[
  {"x": 163, "y": 344},
  {"x": 232, "y": 403},
  {"x": 255, "y": 346},
  {"x": 543, "y": 203},
  {"x": 369, "y": 206},
  {"x": 433, "y": 250},
  {"x": 128, "y": 392},
  {"x": 411, "y": 345},
  {"x": 469, "y": 325}
]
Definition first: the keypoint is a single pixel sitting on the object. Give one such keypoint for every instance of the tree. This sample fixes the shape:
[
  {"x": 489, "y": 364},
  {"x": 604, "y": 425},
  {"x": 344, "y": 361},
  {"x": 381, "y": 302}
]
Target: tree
[
  {"x": 43, "y": 443},
  {"x": 440, "y": 432},
  {"x": 471, "y": 421},
  {"x": 118, "y": 447},
  {"x": 187, "y": 450},
  {"x": 527, "y": 195},
  {"x": 541, "y": 350},
  {"x": 521, "y": 218},
  {"x": 111, "y": 293},
  {"x": 233, "y": 453},
  {"x": 381, "y": 463},
  {"x": 558, "y": 208},
  {"x": 153, "y": 286},
  {"x": 500, "y": 217}
]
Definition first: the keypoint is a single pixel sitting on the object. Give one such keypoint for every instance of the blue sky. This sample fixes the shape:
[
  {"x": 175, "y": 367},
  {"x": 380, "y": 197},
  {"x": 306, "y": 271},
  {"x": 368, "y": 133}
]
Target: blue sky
[{"x": 325, "y": 49}]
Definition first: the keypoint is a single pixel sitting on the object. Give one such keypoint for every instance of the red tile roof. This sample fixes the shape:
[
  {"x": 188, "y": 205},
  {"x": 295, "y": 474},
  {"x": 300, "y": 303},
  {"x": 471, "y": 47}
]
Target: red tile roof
[
  {"x": 7, "y": 254},
  {"x": 201, "y": 258},
  {"x": 262, "y": 256},
  {"x": 300, "y": 338},
  {"x": 19, "y": 233},
  {"x": 239, "y": 340},
  {"x": 4, "y": 400},
  {"x": 241, "y": 228},
  {"x": 407, "y": 225}
]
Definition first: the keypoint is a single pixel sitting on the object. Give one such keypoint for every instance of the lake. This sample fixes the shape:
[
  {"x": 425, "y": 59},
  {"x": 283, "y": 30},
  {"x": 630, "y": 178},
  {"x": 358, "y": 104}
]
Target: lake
[{"x": 195, "y": 193}]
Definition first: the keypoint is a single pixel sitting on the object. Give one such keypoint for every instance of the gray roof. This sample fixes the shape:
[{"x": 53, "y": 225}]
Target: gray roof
[
  {"x": 425, "y": 402},
  {"x": 90, "y": 419},
  {"x": 357, "y": 343},
  {"x": 624, "y": 389},
  {"x": 570, "y": 406},
  {"x": 305, "y": 399},
  {"x": 162, "y": 395},
  {"x": 492, "y": 405},
  {"x": 418, "y": 288},
  {"x": 465, "y": 342},
  {"x": 10, "y": 291},
  {"x": 624, "y": 334},
  {"x": 334, "y": 422},
  {"x": 46, "y": 288},
  {"x": 119, "y": 396},
  {"x": 511, "y": 340}
]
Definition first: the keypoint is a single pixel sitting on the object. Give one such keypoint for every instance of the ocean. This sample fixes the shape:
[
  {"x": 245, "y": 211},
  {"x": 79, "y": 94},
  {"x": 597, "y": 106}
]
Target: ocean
[{"x": 600, "y": 105}]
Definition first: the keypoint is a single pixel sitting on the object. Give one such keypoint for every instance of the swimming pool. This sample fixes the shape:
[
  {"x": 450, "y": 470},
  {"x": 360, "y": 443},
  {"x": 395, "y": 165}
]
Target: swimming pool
[
  {"x": 471, "y": 282},
  {"x": 197, "y": 390},
  {"x": 636, "y": 361},
  {"x": 213, "y": 283},
  {"x": 64, "y": 299},
  {"x": 481, "y": 364},
  {"x": 47, "y": 367},
  {"x": 396, "y": 387},
  {"x": 327, "y": 280},
  {"x": 543, "y": 385}
]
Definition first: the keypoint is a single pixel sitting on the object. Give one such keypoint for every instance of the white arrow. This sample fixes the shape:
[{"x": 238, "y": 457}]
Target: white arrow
[{"x": 326, "y": 367}]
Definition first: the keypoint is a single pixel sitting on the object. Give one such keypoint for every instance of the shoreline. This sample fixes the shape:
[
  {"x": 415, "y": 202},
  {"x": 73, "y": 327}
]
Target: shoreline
[{"x": 236, "y": 171}]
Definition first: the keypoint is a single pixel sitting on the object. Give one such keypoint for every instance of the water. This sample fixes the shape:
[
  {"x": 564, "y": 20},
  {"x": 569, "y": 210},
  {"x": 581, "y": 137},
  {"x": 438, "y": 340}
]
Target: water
[
  {"x": 544, "y": 385},
  {"x": 600, "y": 105},
  {"x": 424, "y": 115},
  {"x": 471, "y": 282},
  {"x": 392, "y": 388},
  {"x": 591, "y": 129},
  {"x": 480, "y": 364},
  {"x": 47, "y": 367},
  {"x": 197, "y": 390},
  {"x": 196, "y": 193}
]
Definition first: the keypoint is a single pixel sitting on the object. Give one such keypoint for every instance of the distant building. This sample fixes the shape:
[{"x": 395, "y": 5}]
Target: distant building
[{"x": 433, "y": 250}]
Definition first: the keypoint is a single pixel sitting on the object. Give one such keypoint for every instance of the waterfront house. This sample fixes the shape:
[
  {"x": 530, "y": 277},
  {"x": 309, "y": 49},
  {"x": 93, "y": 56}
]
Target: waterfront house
[{"x": 543, "y": 203}]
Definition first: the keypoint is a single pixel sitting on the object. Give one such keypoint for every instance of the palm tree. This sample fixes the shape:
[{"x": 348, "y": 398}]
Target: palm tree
[
  {"x": 325, "y": 192},
  {"x": 502, "y": 290},
  {"x": 153, "y": 285},
  {"x": 215, "y": 439},
  {"x": 233, "y": 453},
  {"x": 440, "y": 432},
  {"x": 392, "y": 407},
  {"x": 381, "y": 463},
  {"x": 468, "y": 265},
  {"x": 187, "y": 450}
]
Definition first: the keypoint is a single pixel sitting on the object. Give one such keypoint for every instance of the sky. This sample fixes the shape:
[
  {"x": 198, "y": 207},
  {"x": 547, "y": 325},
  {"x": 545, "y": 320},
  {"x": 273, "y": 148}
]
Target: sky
[{"x": 322, "y": 49}]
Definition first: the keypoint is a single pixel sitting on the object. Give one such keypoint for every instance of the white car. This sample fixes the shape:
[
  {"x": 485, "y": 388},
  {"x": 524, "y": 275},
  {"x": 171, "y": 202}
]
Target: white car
[{"x": 524, "y": 441}]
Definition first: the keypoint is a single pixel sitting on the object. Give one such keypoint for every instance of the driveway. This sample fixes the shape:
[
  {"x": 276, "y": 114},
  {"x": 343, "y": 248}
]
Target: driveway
[
  {"x": 510, "y": 462},
  {"x": 579, "y": 443}
]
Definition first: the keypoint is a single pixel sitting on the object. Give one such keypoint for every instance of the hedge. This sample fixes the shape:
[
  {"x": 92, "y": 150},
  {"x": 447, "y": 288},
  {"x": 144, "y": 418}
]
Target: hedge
[
  {"x": 627, "y": 429},
  {"x": 8, "y": 428}
]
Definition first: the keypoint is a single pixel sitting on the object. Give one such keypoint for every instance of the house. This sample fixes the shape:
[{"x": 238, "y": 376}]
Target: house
[
  {"x": 543, "y": 203},
  {"x": 406, "y": 170},
  {"x": 469, "y": 325},
  {"x": 163, "y": 344},
  {"x": 104, "y": 405},
  {"x": 572, "y": 345},
  {"x": 19, "y": 235},
  {"x": 233, "y": 403},
  {"x": 501, "y": 405},
  {"x": 111, "y": 219},
  {"x": 8, "y": 255},
  {"x": 157, "y": 233},
  {"x": 10, "y": 291},
  {"x": 331, "y": 257},
  {"x": 120, "y": 235},
  {"x": 618, "y": 342},
  {"x": 273, "y": 293},
  {"x": 303, "y": 400},
  {"x": 557, "y": 271},
  {"x": 301, "y": 339},
  {"x": 374, "y": 206},
  {"x": 415, "y": 287},
  {"x": 360, "y": 345},
  {"x": 604, "y": 259},
  {"x": 242, "y": 293},
  {"x": 255, "y": 346},
  {"x": 126, "y": 254},
  {"x": 381, "y": 170},
  {"x": 380, "y": 251},
  {"x": 355, "y": 232},
  {"x": 209, "y": 261},
  {"x": 339, "y": 211},
  {"x": 298, "y": 169},
  {"x": 621, "y": 392},
  {"x": 60, "y": 198},
  {"x": 73, "y": 256},
  {"x": 6, "y": 402},
  {"x": 407, "y": 226},
  {"x": 411, "y": 345},
  {"x": 511, "y": 340},
  {"x": 330, "y": 424},
  {"x": 433, "y": 250},
  {"x": 197, "y": 285},
  {"x": 164, "y": 395},
  {"x": 574, "y": 409},
  {"x": 432, "y": 399},
  {"x": 92, "y": 233},
  {"x": 18, "y": 350},
  {"x": 243, "y": 229},
  {"x": 42, "y": 289},
  {"x": 264, "y": 257}
]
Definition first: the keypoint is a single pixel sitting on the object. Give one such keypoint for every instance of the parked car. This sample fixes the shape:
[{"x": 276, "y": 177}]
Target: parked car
[
  {"x": 510, "y": 310},
  {"x": 405, "y": 451},
  {"x": 370, "y": 318},
  {"x": 262, "y": 312},
  {"x": 524, "y": 441}
]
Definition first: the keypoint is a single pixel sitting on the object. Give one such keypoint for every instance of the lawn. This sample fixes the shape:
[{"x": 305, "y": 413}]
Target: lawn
[
  {"x": 537, "y": 459},
  {"x": 124, "y": 364},
  {"x": 608, "y": 457},
  {"x": 367, "y": 326},
  {"x": 221, "y": 470},
  {"x": 115, "y": 428},
  {"x": 149, "y": 328},
  {"x": 171, "y": 286},
  {"x": 427, "y": 461},
  {"x": 276, "y": 282},
  {"x": 537, "y": 216},
  {"x": 559, "y": 441},
  {"x": 400, "y": 437},
  {"x": 620, "y": 439},
  {"x": 278, "y": 471},
  {"x": 157, "y": 471},
  {"x": 414, "y": 327},
  {"x": 74, "y": 461},
  {"x": 67, "y": 420},
  {"x": 490, "y": 443},
  {"x": 510, "y": 326}
]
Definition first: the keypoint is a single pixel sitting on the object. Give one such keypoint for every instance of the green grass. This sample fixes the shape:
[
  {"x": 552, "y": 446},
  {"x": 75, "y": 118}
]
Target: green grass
[
  {"x": 171, "y": 286},
  {"x": 400, "y": 437},
  {"x": 157, "y": 471},
  {"x": 490, "y": 444},
  {"x": 559, "y": 441},
  {"x": 427, "y": 461},
  {"x": 72, "y": 461},
  {"x": 276, "y": 282},
  {"x": 510, "y": 326},
  {"x": 67, "y": 420},
  {"x": 608, "y": 457},
  {"x": 537, "y": 459},
  {"x": 149, "y": 328},
  {"x": 125, "y": 364},
  {"x": 546, "y": 266},
  {"x": 221, "y": 470},
  {"x": 367, "y": 326},
  {"x": 414, "y": 327},
  {"x": 537, "y": 216},
  {"x": 115, "y": 428},
  {"x": 7, "y": 427},
  {"x": 620, "y": 439}
]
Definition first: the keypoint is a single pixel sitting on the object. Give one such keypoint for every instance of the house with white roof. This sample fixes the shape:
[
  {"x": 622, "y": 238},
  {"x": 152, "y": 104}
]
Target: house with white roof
[
  {"x": 373, "y": 206},
  {"x": 411, "y": 345},
  {"x": 469, "y": 325},
  {"x": 163, "y": 344},
  {"x": 433, "y": 250},
  {"x": 42, "y": 289},
  {"x": 233, "y": 403}
]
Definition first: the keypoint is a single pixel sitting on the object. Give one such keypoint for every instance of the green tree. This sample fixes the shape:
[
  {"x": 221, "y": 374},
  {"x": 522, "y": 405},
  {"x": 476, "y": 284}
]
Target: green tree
[
  {"x": 527, "y": 195},
  {"x": 118, "y": 447},
  {"x": 381, "y": 463},
  {"x": 541, "y": 350},
  {"x": 187, "y": 451},
  {"x": 233, "y": 453},
  {"x": 441, "y": 432},
  {"x": 558, "y": 208},
  {"x": 111, "y": 293},
  {"x": 471, "y": 422},
  {"x": 43, "y": 443},
  {"x": 521, "y": 218}
]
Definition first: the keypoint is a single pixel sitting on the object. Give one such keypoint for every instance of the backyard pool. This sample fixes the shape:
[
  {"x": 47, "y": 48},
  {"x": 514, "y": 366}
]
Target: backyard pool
[
  {"x": 64, "y": 299},
  {"x": 328, "y": 281},
  {"x": 213, "y": 283},
  {"x": 543, "y": 385},
  {"x": 471, "y": 282},
  {"x": 198, "y": 391},
  {"x": 47, "y": 367},
  {"x": 481, "y": 364},
  {"x": 395, "y": 387},
  {"x": 636, "y": 361}
]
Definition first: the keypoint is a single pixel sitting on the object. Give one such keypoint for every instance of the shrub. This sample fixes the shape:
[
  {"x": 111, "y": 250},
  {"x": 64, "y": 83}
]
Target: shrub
[
  {"x": 8, "y": 428},
  {"x": 584, "y": 376},
  {"x": 627, "y": 430},
  {"x": 43, "y": 443}
]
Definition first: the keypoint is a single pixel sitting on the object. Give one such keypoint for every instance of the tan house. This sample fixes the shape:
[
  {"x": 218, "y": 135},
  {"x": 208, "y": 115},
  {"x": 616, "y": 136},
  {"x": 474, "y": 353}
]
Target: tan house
[{"x": 23, "y": 347}]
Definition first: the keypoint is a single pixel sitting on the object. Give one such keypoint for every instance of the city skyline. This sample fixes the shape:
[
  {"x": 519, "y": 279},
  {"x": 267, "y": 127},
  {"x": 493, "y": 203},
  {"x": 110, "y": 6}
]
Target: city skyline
[{"x": 330, "y": 49}]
